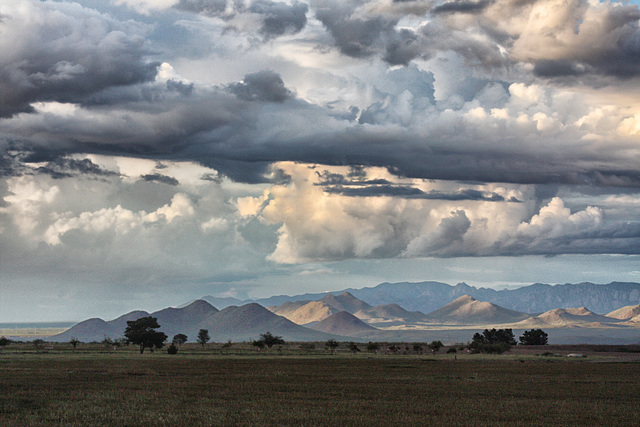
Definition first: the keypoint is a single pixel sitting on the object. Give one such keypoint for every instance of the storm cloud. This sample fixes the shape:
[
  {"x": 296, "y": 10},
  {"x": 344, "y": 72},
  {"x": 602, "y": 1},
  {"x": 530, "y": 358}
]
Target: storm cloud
[{"x": 205, "y": 142}]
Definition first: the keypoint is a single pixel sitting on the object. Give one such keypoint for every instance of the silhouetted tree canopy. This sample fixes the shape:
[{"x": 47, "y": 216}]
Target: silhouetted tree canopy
[
  {"x": 179, "y": 339},
  {"x": 534, "y": 337},
  {"x": 270, "y": 340},
  {"x": 142, "y": 332},
  {"x": 492, "y": 341},
  {"x": 203, "y": 337}
]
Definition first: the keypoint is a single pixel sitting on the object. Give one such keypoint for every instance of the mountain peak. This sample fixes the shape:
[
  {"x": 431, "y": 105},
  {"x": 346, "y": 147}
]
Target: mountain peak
[
  {"x": 343, "y": 323},
  {"x": 468, "y": 310}
]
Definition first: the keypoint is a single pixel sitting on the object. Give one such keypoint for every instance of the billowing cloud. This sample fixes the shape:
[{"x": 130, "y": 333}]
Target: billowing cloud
[
  {"x": 321, "y": 225},
  {"x": 274, "y": 19},
  {"x": 63, "y": 52},
  {"x": 151, "y": 143}
]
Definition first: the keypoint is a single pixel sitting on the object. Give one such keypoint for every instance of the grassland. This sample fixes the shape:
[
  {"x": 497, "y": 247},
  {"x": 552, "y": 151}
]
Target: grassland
[{"x": 93, "y": 386}]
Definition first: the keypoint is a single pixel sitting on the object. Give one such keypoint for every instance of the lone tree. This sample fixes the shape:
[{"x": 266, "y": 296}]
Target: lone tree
[
  {"x": 74, "y": 342},
  {"x": 142, "y": 332},
  {"x": 534, "y": 337},
  {"x": 332, "y": 345},
  {"x": 435, "y": 346},
  {"x": 203, "y": 337},
  {"x": 4, "y": 342},
  {"x": 270, "y": 340},
  {"x": 179, "y": 339}
]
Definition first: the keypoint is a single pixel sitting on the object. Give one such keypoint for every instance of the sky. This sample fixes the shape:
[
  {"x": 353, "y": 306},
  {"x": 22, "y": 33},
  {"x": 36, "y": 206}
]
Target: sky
[{"x": 156, "y": 151}]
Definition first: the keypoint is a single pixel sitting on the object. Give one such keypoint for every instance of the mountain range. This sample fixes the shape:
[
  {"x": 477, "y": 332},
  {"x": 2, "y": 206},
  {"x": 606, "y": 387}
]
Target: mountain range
[
  {"x": 344, "y": 316},
  {"x": 428, "y": 296}
]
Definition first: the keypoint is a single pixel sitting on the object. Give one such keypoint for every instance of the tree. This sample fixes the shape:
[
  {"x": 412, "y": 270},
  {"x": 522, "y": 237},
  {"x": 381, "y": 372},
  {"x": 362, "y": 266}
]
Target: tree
[
  {"x": 354, "y": 347},
  {"x": 172, "y": 349},
  {"x": 74, "y": 342},
  {"x": 142, "y": 332},
  {"x": 492, "y": 341},
  {"x": 4, "y": 342},
  {"x": 179, "y": 339},
  {"x": 435, "y": 346},
  {"x": 203, "y": 337},
  {"x": 534, "y": 337},
  {"x": 373, "y": 347},
  {"x": 270, "y": 340},
  {"x": 332, "y": 345},
  {"x": 258, "y": 344},
  {"x": 417, "y": 347}
]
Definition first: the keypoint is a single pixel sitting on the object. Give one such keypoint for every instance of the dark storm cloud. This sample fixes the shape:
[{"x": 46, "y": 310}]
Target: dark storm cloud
[
  {"x": 360, "y": 37},
  {"x": 280, "y": 18},
  {"x": 261, "y": 86},
  {"x": 163, "y": 179},
  {"x": 77, "y": 54},
  {"x": 62, "y": 167},
  {"x": 461, "y": 7},
  {"x": 415, "y": 193}
]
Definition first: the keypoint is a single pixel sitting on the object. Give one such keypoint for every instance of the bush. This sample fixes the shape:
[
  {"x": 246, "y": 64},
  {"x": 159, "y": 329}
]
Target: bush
[
  {"x": 172, "y": 349},
  {"x": 452, "y": 350}
]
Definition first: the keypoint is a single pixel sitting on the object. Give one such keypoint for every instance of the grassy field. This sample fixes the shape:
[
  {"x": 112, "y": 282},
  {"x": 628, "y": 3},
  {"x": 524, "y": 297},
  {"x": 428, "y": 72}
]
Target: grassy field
[{"x": 200, "y": 387}]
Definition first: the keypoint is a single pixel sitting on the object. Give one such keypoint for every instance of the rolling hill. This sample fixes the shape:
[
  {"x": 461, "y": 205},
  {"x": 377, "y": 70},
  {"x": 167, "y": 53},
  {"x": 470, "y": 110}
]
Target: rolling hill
[
  {"x": 625, "y": 313},
  {"x": 468, "y": 310},
  {"x": 343, "y": 323}
]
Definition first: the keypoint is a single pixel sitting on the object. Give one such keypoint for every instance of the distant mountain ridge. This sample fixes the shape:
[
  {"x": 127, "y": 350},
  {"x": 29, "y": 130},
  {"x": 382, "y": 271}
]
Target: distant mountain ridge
[
  {"x": 537, "y": 298},
  {"x": 234, "y": 323}
]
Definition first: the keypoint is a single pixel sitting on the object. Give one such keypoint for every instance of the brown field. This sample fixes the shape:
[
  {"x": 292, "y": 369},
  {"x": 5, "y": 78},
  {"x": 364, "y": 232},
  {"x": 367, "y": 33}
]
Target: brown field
[{"x": 199, "y": 386}]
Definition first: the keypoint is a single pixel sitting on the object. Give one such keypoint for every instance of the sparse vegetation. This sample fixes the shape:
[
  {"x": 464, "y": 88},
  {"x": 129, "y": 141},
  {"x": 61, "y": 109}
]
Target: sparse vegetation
[
  {"x": 179, "y": 339},
  {"x": 270, "y": 340},
  {"x": 258, "y": 344},
  {"x": 203, "y": 337},
  {"x": 332, "y": 345},
  {"x": 435, "y": 346}
]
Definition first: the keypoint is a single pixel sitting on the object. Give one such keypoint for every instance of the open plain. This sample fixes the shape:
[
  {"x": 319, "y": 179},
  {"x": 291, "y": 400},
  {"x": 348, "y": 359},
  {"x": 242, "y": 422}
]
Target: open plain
[{"x": 301, "y": 386}]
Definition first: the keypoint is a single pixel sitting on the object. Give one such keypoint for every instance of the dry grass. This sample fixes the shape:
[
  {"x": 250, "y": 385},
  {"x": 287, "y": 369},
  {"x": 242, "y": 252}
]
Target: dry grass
[{"x": 208, "y": 389}]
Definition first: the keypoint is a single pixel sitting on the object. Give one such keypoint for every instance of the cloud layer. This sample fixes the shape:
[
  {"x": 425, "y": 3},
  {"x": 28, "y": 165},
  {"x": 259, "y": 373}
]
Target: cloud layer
[{"x": 212, "y": 141}]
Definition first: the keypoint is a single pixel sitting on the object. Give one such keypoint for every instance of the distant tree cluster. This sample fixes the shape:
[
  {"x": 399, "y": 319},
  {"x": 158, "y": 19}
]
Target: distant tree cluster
[
  {"x": 500, "y": 340},
  {"x": 534, "y": 337},
  {"x": 492, "y": 341}
]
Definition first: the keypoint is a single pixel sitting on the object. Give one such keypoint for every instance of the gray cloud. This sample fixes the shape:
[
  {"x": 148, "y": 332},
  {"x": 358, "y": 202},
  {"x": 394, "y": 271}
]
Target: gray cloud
[
  {"x": 261, "y": 86},
  {"x": 416, "y": 193},
  {"x": 461, "y": 7},
  {"x": 62, "y": 167},
  {"x": 77, "y": 54},
  {"x": 163, "y": 179},
  {"x": 277, "y": 18}
]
